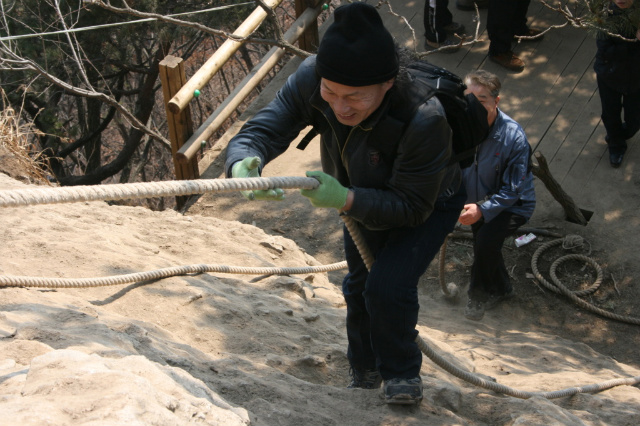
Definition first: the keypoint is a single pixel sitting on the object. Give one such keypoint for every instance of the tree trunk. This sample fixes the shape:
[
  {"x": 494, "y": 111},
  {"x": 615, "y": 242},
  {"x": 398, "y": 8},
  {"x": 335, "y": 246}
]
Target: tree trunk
[
  {"x": 542, "y": 172},
  {"x": 144, "y": 107},
  {"x": 93, "y": 148}
]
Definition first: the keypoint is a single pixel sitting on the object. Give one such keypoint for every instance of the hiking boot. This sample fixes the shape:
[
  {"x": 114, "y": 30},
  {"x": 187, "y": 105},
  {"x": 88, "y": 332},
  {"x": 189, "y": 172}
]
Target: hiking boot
[
  {"x": 474, "y": 310},
  {"x": 454, "y": 28},
  {"x": 509, "y": 60},
  {"x": 364, "y": 379},
  {"x": 403, "y": 391},
  {"x": 469, "y": 4},
  {"x": 495, "y": 299},
  {"x": 451, "y": 45},
  {"x": 529, "y": 33}
]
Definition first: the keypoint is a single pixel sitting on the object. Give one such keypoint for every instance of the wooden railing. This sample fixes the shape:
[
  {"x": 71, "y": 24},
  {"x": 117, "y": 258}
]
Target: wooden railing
[{"x": 178, "y": 91}]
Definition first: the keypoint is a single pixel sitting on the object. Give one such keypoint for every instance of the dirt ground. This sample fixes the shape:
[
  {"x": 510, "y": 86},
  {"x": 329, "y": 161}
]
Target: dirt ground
[
  {"x": 247, "y": 344},
  {"x": 534, "y": 308}
]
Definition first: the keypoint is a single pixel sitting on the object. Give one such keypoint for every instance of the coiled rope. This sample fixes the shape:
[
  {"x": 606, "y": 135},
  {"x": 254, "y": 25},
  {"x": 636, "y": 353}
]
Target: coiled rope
[
  {"x": 22, "y": 197},
  {"x": 451, "y": 290},
  {"x": 466, "y": 375},
  {"x": 556, "y": 285}
]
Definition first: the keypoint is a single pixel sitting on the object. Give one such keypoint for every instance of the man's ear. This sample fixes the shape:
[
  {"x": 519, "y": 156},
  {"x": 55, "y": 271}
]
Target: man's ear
[
  {"x": 497, "y": 100},
  {"x": 388, "y": 84}
]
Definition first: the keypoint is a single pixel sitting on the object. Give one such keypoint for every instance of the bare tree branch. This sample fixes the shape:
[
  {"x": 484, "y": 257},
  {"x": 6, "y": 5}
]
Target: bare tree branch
[
  {"x": 72, "y": 44},
  {"x": 582, "y": 21},
  {"x": 463, "y": 41},
  {"x": 26, "y": 64},
  {"x": 279, "y": 42}
]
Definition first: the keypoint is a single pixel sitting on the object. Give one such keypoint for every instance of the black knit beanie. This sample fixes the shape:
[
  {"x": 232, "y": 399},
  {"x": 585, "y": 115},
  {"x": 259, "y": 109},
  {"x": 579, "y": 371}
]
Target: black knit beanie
[{"x": 357, "y": 50}]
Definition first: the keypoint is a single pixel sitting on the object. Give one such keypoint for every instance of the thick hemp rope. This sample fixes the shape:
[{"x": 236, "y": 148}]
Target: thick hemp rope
[
  {"x": 20, "y": 281},
  {"x": 557, "y": 286},
  {"x": 124, "y": 191},
  {"x": 451, "y": 290},
  {"x": 144, "y": 190},
  {"x": 473, "y": 378}
]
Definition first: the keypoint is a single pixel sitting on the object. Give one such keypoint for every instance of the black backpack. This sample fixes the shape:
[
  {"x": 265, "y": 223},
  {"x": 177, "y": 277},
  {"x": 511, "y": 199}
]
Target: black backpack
[{"x": 465, "y": 114}]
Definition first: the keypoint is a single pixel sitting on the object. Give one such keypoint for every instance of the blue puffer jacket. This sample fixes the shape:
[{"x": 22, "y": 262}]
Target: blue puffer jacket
[
  {"x": 500, "y": 178},
  {"x": 397, "y": 170}
]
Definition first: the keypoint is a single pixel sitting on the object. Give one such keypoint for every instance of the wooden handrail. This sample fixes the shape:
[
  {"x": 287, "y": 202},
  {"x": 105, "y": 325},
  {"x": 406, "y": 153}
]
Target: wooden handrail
[
  {"x": 243, "y": 89},
  {"x": 218, "y": 59}
]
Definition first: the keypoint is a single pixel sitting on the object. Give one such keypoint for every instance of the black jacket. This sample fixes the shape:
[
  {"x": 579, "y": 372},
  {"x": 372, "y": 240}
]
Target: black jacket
[
  {"x": 618, "y": 61},
  {"x": 397, "y": 171}
]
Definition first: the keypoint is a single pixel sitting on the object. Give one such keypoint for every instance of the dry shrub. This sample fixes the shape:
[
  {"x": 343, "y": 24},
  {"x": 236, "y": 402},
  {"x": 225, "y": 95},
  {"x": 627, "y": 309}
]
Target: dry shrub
[{"x": 17, "y": 158}]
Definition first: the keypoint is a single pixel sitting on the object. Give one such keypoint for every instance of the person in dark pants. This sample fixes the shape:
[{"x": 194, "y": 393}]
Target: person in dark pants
[
  {"x": 471, "y": 4},
  {"x": 381, "y": 316},
  {"x": 617, "y": 68},
  {"x": 438, "y": 24},
  {"x": 385, "y": 154},
  {"x": 507, "y": 19},
  {"x": 500, "y": 196}
]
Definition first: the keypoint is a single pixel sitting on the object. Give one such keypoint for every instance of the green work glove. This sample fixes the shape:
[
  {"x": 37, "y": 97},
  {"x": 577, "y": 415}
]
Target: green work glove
[
  {"x": 330, "y": 193},
  {"x": 248, "y": 168}
]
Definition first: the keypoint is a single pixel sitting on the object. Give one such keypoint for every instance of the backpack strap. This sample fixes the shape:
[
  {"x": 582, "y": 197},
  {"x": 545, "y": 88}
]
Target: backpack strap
[{"x": 307, "y": 139}]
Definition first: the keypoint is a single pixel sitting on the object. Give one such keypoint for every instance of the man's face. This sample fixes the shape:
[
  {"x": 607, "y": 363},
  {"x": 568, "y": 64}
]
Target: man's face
[
  {"x": 489, "y": 102},
  {"x": 623, "y": 4},
  {"x": 352, "y": 105}
]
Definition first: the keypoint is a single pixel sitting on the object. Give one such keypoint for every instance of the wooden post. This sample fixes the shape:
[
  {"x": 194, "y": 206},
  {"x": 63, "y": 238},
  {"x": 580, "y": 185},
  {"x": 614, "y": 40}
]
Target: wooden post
[
  {"x": 309, "y": 40},
  {"x": 173, "y": 77},
  {"x": 542, "y": 172}
]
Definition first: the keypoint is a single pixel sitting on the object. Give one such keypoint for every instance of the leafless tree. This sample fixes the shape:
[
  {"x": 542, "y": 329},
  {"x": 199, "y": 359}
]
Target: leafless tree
[
  {"x": 93, "y": 95},
  {"x": 90, "y": 84}
]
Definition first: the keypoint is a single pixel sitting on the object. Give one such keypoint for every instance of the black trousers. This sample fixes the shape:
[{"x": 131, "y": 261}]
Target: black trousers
[
  {"x": 383, "y": 304},
  {"x": 620, "y": 115},
  {"x": 506, "y": 19},
  {"x": 489, "y": 274},
  {"x": 435, "y": 19}
]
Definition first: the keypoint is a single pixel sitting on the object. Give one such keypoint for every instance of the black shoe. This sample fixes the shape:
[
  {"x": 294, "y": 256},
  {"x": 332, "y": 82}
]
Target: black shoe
[
  {"x": 616, "y": 160},
  {"x": 364, "y": 379},
  {"x": 474, "y": 310},
  {"x": 454, "y": 28},
  {"x": 469, "y": 4},
  {"x": 495, "y": 299},
  {"x": 403, "y": 391}
]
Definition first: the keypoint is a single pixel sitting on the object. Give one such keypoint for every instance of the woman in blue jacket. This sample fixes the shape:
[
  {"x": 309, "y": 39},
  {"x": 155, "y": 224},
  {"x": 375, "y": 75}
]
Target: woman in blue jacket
[{"x": 500, "y": 196}]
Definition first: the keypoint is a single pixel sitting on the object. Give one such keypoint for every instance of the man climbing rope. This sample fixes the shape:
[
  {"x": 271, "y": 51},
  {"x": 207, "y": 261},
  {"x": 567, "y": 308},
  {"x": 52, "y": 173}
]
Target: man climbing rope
[{"x": 392, "y": 180}]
